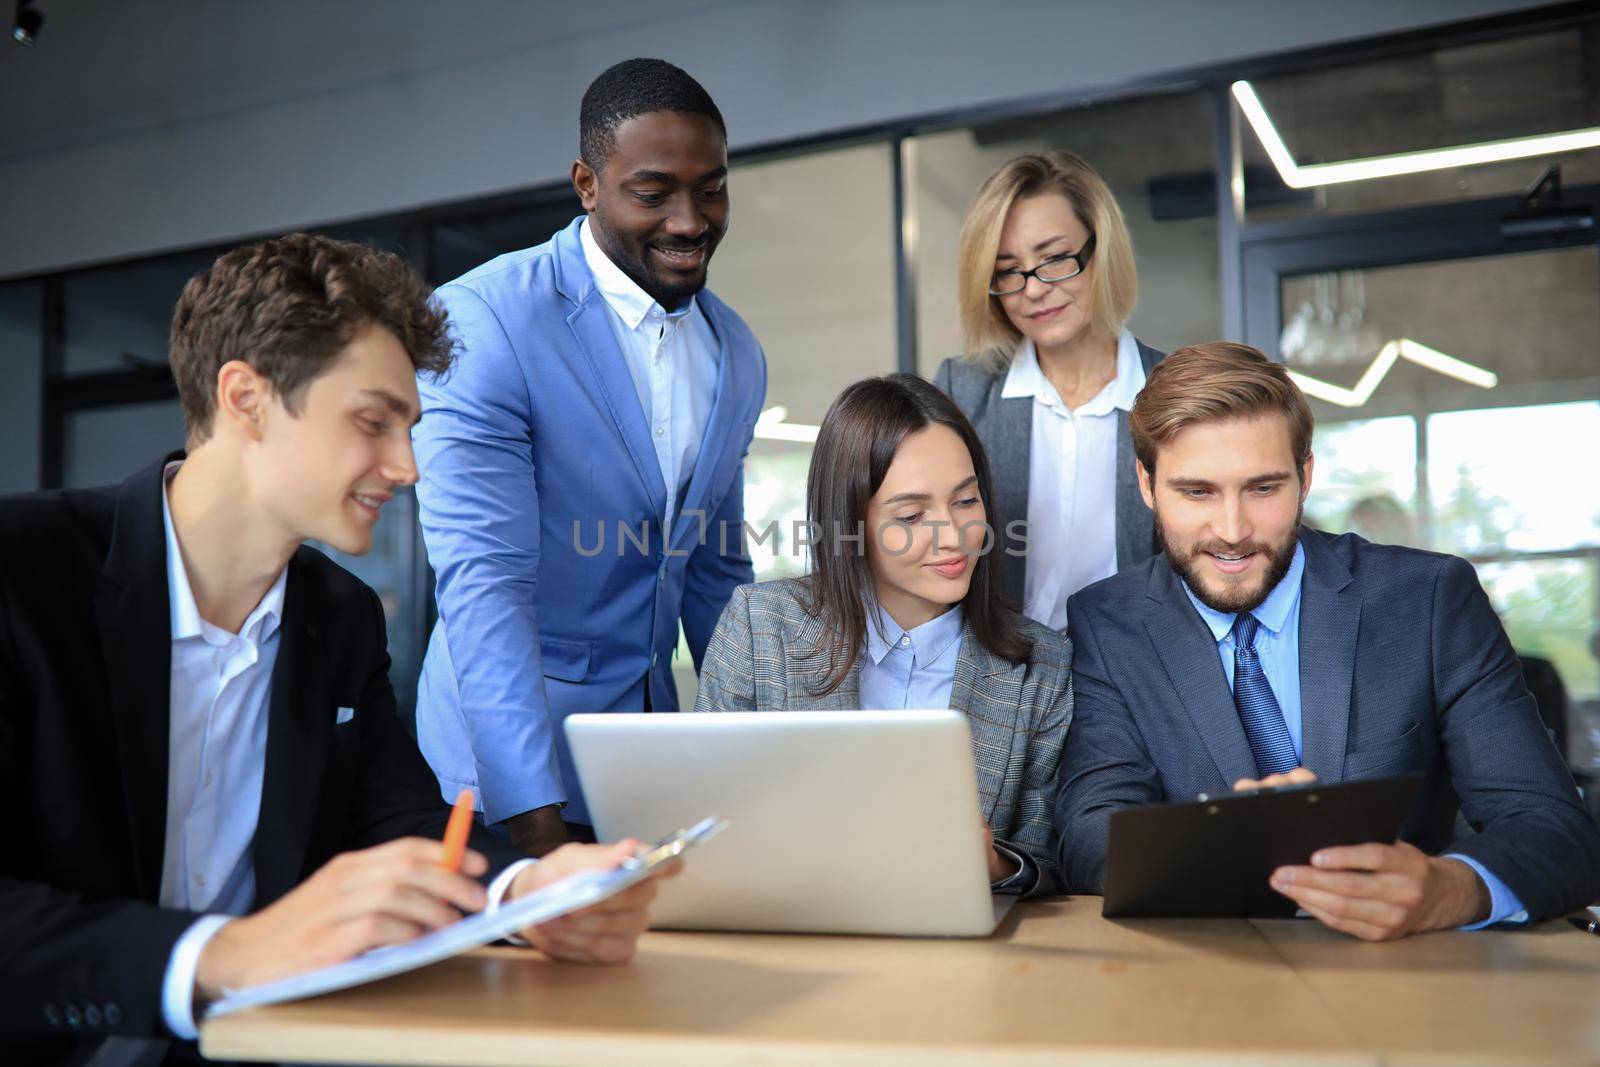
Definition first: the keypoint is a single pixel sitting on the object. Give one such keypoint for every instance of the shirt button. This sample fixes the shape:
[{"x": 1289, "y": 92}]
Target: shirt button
[
  {"x": 200, "y": 880},
  {"x": 904, "y": 641},
  {"x": 661, "y": 575},
  {"x": 210, "y": 777},
  {"x": 661, "y": 431}
]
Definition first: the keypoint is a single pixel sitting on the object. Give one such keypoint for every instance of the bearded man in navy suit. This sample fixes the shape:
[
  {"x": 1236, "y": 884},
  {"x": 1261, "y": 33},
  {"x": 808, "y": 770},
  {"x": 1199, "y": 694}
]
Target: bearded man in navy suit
[{"x": 1257, "y": 651}]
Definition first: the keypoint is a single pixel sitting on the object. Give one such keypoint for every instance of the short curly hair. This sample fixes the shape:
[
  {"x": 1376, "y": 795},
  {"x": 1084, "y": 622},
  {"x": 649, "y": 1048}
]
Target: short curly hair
[
  {"x": 631, "y": 88},
  {"x": 288, "y": 306}
]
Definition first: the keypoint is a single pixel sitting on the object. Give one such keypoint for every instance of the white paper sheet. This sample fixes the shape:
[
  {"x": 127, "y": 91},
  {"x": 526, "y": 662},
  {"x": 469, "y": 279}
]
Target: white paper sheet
[{"x": 568, "y": 895}]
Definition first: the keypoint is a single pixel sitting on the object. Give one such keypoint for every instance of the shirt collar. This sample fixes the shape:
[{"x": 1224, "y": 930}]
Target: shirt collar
[
  {"x": 1026, "y": 379},
  {"x": 928, "y": 641},
  {"x": 1272, "y": 613},
  {"x": 1124, "y": 389},
  {"x": 182, "y": 611},
  {"x": 632, "y": 304}
]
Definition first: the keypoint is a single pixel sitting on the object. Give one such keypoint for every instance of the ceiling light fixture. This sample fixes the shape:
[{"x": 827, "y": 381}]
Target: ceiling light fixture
[
  {"x": 1312, "y": 175},
  {"x": 29, "y": 22},
  {"x": 770, "y": 426},
  {"x": 1391, "y": 353}
]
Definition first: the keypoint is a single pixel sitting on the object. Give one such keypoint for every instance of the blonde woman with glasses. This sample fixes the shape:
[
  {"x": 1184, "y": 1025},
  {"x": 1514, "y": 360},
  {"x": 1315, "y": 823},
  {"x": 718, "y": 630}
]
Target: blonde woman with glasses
[{"x": 1050, "y": 372}]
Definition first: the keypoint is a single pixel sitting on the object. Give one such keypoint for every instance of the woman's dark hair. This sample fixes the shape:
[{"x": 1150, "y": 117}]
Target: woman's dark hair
[{"x": 855, "y": 447}]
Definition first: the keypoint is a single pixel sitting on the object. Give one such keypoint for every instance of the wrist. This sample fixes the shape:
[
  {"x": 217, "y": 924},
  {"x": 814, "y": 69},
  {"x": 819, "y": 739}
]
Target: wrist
[
  {"x": 538, "y": 831},
  {"x": 179, "y": 992},
  {"x": 1002, "y": 865},
  {"x": 217, "y": 968},
  {"x": 1465, "y": 899},
  {"x": 524, "y": 882}
]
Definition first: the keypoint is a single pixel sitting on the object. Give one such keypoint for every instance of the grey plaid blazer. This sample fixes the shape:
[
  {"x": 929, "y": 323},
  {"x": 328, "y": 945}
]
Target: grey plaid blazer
[{"x": 1018, "y": 713}]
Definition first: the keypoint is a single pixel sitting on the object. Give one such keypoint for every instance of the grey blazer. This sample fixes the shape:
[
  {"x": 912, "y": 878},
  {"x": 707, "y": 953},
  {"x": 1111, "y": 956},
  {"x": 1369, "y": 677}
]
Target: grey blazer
[
  {"x": 1403, "y": 667},
  {"x": 1005, "y": 426},
  {"x": 1018, "y": 713}
]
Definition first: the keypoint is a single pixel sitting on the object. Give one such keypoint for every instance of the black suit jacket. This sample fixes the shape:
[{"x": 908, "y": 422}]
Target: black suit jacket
[
  {"x": 1404, "y": 666},
  {"x": 85, "y": 661}
]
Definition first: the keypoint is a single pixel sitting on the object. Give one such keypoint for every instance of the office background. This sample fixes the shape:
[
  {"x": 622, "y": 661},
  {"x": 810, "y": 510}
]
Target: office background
[{"x": 138, "y": 139}]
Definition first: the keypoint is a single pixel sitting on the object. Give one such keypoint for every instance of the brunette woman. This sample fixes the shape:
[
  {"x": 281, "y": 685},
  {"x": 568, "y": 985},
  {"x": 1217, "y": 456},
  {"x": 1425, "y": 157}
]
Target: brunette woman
[{"x": 902, "y": 609}]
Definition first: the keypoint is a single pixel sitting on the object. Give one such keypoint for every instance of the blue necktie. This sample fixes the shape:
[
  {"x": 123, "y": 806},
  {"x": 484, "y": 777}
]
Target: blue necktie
[{"x": 1258, "y": 708}]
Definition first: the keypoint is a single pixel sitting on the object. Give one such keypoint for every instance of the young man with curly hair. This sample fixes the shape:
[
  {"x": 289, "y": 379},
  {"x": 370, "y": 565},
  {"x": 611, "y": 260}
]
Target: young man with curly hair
[{"x": 206, "y": 783}]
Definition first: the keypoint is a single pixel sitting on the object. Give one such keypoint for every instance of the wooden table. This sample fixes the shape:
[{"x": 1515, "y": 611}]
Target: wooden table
[{"x": 1056, "y": 984}]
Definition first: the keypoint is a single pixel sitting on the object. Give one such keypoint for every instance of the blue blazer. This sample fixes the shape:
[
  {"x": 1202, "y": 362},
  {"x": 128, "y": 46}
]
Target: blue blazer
[
  {"x": 1404, "y": 666},
  {"x": 533, "y": 450}
]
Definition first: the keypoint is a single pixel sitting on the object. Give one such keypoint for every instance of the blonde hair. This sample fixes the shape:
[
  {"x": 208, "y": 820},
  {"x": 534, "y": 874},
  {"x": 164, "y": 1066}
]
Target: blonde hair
[
  {"x": 990, "y": 337},
  {"x": 1216, "y": 382}
]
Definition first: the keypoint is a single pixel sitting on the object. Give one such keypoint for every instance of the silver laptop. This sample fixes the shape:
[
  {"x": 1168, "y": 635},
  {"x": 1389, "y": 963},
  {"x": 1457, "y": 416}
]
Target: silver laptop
[{"x": 844, "y": 822}]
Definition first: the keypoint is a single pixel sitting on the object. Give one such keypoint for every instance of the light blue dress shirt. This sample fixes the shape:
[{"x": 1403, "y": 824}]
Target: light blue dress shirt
[
  {"x": 1277, "y": 645},
  {"x": 1277, "y": 641},
  {"x": 910, "y": 668},
  {"x": 673, "y": 359}
]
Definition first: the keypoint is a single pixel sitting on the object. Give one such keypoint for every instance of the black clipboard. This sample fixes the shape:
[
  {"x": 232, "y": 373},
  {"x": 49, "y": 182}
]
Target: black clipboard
[{"x": 1212, "y": 858}]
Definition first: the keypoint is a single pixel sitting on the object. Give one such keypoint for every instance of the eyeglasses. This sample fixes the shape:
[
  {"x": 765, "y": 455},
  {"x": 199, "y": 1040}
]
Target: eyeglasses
[{"x": 1052, "y": 269}]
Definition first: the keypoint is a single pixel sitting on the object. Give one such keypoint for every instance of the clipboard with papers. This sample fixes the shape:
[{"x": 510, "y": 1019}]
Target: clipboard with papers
[{"x": 568, "y": 895}]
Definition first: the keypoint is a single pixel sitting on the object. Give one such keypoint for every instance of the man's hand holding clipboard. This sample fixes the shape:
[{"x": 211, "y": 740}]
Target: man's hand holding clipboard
[
  {"x": 1224, "y": 855},
  {"x": 1377, "y": 891}
]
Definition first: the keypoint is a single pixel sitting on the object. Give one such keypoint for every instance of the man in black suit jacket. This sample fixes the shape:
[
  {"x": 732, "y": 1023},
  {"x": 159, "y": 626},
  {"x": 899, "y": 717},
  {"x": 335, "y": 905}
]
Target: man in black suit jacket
[
  {"x": 1254, "y": 650},
  {"x": 196, "y": 721}
]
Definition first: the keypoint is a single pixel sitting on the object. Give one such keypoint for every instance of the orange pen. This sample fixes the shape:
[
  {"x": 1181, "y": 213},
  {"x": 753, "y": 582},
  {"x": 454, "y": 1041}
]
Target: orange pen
[{"x": 455, "y": 832}]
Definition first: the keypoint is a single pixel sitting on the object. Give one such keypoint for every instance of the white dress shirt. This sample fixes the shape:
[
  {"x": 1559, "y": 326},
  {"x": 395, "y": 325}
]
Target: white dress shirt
[
  {"x": 221, "y": 689},
  {"x": 1072, "y": 481},
  {"x": 221, "y": 684},
  {"x": 673, "y": 358}
]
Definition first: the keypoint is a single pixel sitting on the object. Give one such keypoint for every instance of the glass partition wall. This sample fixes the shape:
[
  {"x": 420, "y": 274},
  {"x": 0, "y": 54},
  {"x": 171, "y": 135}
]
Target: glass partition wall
[
  {"x": 1446, "y": 322},
  {"x": 22, "y": 400},
  {"x": 1454, "y": 400}
]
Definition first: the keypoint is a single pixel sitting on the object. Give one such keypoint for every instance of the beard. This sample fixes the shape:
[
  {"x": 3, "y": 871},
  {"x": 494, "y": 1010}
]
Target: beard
[
  {"x": 633, "y": 258},
  {"x": 1233, "y": 598}
]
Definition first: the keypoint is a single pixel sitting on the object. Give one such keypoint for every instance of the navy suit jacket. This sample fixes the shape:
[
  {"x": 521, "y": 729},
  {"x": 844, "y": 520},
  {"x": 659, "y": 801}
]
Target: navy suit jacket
[{"x": 1404, "y": 666}]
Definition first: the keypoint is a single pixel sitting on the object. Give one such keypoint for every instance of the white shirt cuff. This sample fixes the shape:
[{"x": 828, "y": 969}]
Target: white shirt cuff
[
  {"x": 177, "y": 987},
  {"x": 501, "y": 886}
]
